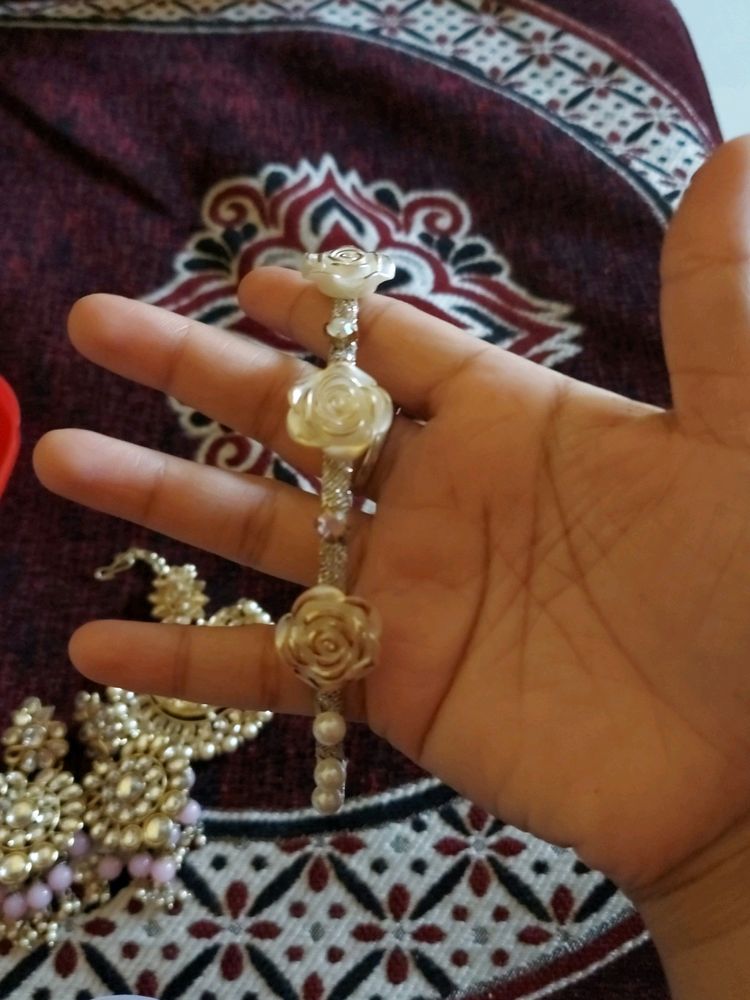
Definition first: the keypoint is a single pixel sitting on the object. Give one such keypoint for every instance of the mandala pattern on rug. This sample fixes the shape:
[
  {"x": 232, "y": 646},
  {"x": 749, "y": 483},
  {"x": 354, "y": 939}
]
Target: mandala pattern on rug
[
  {"x": 618, "y": 109},
  {"x": 442, "y": 265},
  {"x": 436, "y": 899}
]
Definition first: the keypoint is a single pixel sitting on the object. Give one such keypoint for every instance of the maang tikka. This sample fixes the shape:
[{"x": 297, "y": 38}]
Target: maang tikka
[
  {"x": 63, "y": 842},
  {"x": 330, "y": 637}
]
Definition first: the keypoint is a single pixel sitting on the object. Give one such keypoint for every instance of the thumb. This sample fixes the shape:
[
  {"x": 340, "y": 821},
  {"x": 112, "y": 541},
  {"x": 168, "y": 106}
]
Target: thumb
[{"x": 705, "y": 304}]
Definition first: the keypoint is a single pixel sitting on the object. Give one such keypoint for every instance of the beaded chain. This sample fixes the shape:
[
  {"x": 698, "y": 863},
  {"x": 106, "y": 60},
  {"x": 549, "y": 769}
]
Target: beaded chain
[{"x": 330, "y": 638}]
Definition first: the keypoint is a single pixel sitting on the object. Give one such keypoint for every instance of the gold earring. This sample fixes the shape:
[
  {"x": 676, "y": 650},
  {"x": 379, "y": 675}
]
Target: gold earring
[
  {"x": 178, "y": 597},
  {"x": 62, "y": 842},
  {"x": 41, "y": 817},
  {"x": 139, "y": 813}
]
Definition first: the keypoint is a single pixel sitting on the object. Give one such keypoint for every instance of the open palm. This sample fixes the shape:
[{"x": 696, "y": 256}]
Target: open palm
[{"x": 561, "y": 572}]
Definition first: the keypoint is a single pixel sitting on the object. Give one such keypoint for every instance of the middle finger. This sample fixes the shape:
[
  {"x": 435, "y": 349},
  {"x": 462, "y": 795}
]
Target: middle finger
[{"x": 229, "y": 377}]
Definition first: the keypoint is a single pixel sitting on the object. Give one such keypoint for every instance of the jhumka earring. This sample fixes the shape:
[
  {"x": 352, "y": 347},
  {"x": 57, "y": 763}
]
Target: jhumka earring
[
  {"x": 62, "y": 843},
  {"x": 330, "y": 638},
  {"x": 139, "y": 811},
  {"x": 41, "y": 818}
]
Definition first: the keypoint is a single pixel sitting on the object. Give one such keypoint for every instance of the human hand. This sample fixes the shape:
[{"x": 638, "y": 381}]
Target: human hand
[{"x": 561, "y": 572}]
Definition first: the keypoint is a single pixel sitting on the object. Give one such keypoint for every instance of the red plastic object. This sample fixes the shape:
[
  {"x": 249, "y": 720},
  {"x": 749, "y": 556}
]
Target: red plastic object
[{"x": 10, "y": 438}]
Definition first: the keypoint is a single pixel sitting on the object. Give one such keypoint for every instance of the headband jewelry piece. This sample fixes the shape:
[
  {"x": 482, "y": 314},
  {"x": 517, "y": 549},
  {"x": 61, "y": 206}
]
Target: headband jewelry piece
[{"x": 330, "y": 638}]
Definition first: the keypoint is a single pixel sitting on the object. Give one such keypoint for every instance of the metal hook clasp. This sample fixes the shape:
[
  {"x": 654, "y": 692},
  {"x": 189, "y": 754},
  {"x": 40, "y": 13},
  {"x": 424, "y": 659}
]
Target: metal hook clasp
[{"x": 122, "y": 562}]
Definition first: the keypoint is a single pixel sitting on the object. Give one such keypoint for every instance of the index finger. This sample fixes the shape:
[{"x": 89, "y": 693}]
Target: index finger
[{"x": 410, "y": 353}]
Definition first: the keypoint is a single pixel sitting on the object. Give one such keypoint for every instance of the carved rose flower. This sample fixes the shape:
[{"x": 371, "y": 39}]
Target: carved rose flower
[
  {"x": 329, "y": 638},
  {"x": 348, "y": 273},
  {"x": 340, "y": 409}
]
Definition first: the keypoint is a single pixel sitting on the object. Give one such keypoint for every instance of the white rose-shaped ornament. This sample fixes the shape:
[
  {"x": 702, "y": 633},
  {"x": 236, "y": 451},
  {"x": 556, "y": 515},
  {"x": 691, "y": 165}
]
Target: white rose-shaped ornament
[
  {"x": 340, "y": 409},
  {"x": 348, "y": 273},
  {"x": 329, "y": 638}
]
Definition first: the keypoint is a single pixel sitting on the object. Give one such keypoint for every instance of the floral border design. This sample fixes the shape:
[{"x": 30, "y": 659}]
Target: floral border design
[
  {"x": 417, "y": 894},
  {"x": 620, "y": 111}
]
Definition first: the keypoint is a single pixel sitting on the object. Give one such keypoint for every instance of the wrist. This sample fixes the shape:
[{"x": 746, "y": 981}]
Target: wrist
[{"x": 699, "y": 918}]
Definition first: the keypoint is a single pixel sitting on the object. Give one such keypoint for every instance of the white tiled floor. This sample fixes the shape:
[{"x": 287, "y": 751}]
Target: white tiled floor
[{"x": 721, "y": 33}]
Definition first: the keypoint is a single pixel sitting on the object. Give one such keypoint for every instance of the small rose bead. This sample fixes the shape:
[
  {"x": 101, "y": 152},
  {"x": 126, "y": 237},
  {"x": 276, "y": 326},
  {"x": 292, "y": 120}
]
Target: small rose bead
[
  {"x": 329, "y": 728},
  {"x": 110, "y": 867},
  {"x": 330, "y": 773},
  {"x": 14, "y": 906},
  {"x": 139, "y": 865},
  {"x": 341, "y": 409},
  {"x": 60, "y": 878},
  {"x": 163, "y": 870},
  {"x": 327, "y": 800},
  {"x": 329, "y": 638},
  {"x": 348, "y": 272},
  {"x": 39, "y": 896}
]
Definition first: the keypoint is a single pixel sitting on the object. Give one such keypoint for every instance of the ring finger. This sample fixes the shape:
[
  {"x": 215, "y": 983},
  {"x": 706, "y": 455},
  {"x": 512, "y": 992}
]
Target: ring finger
[{"x": 257, "y": 522}]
